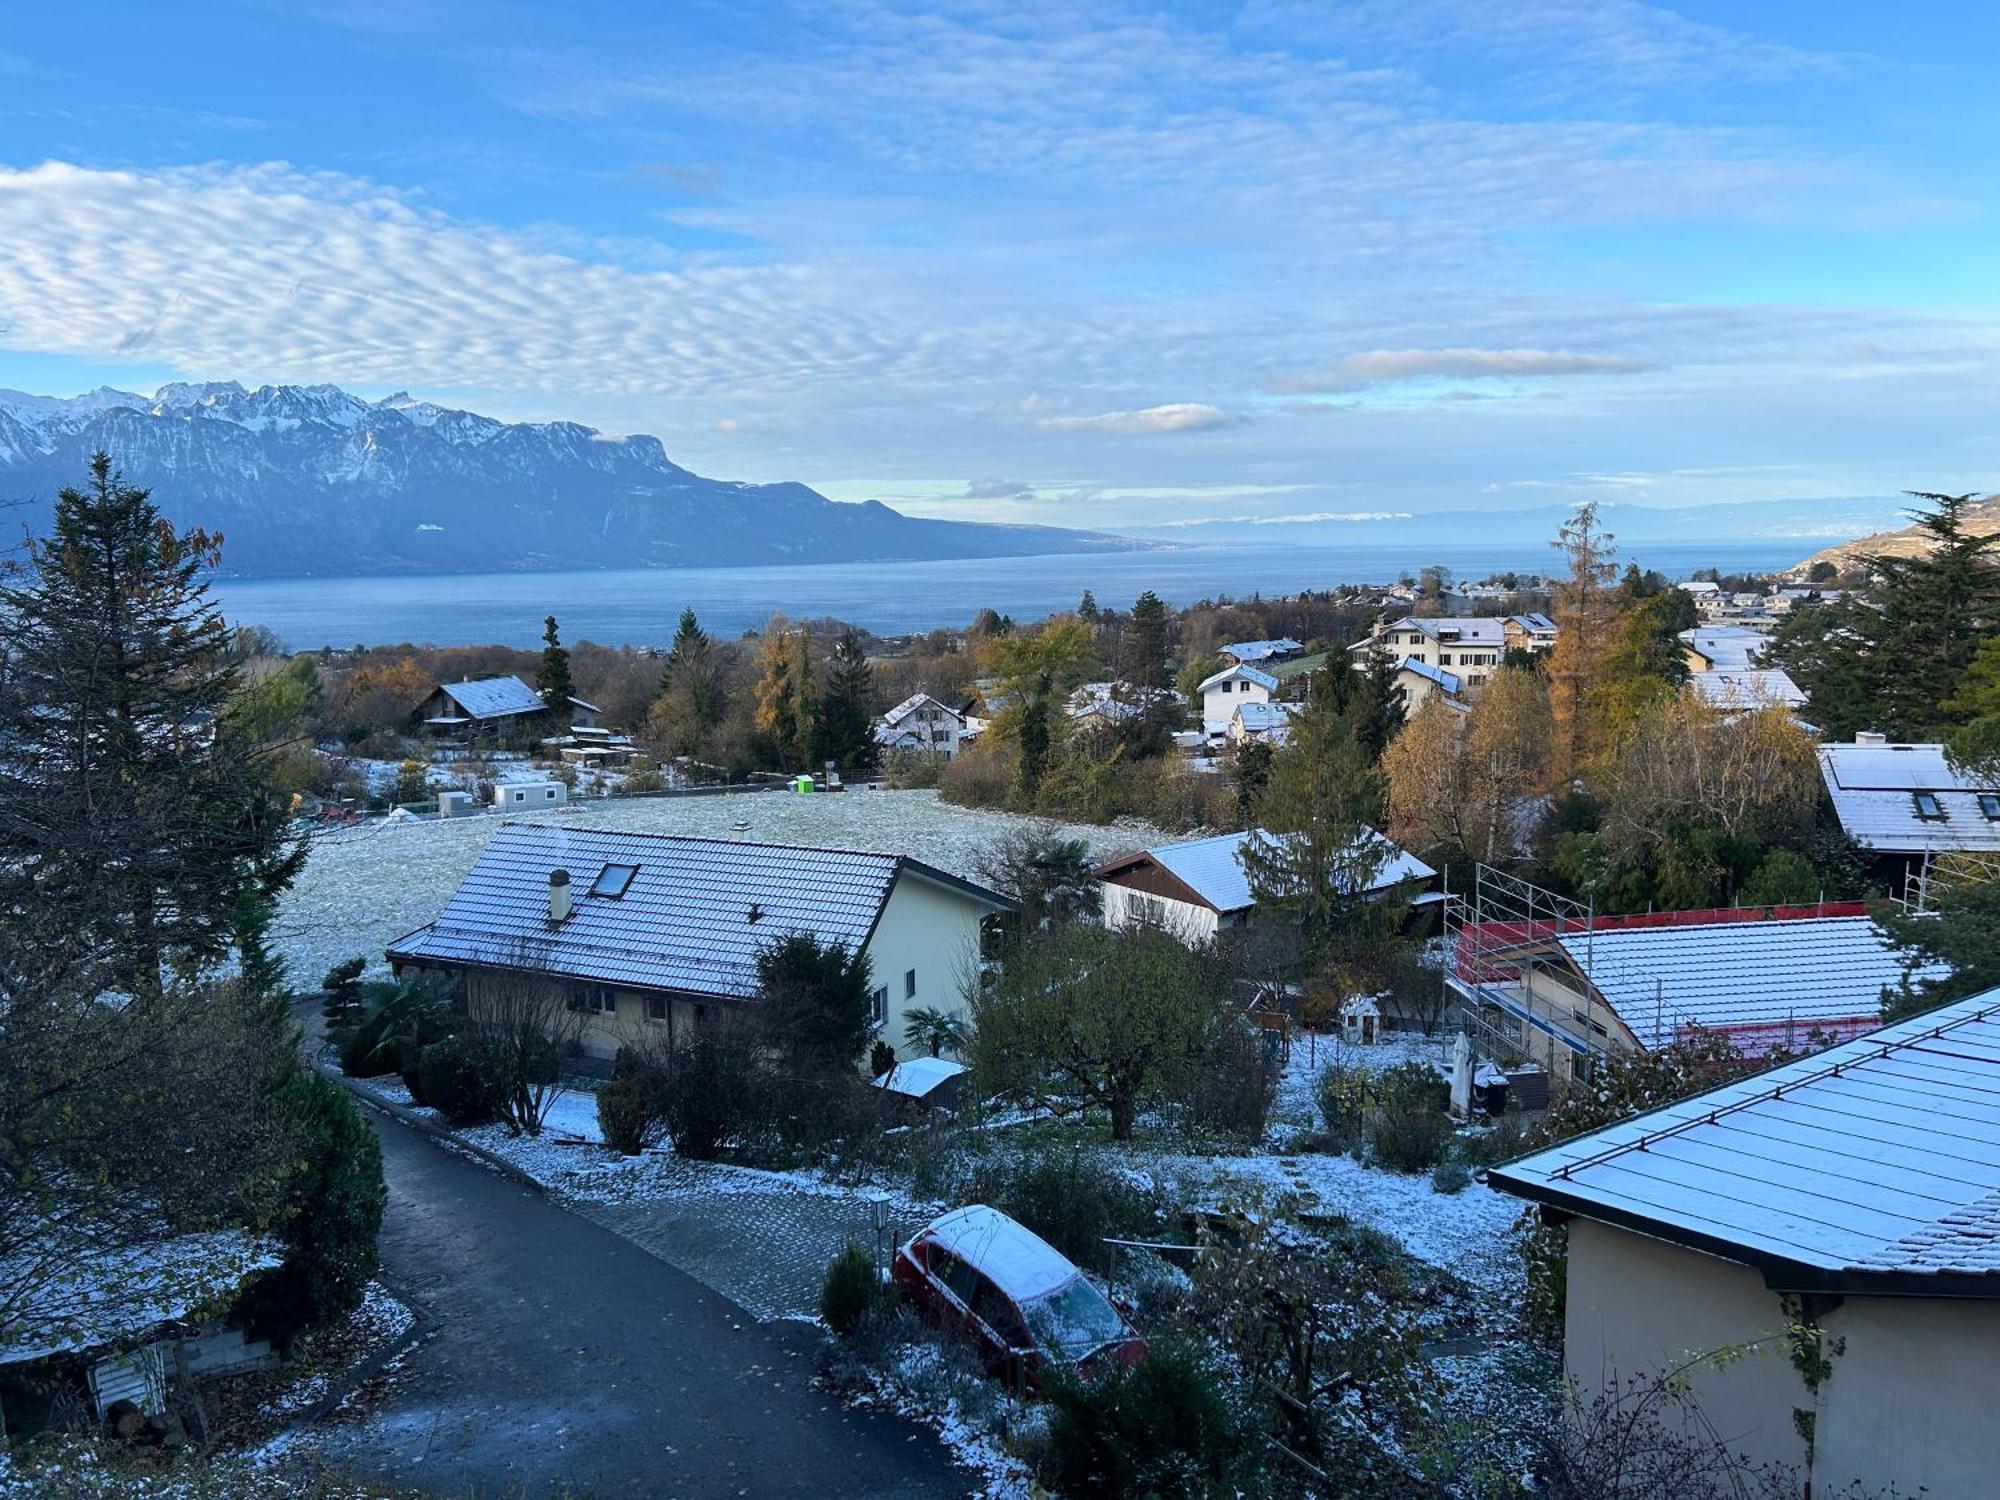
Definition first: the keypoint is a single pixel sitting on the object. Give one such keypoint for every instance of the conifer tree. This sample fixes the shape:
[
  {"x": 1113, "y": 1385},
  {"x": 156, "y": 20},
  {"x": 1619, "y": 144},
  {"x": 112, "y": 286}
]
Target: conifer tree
[
  {"x": 1143, "y": 662},
  {"x": 847, "y": 713},
  {"x": 1584, "y": 617},
  {"x": 805, "y": 703},
  {"x": 1086, "y": 609},
  {"x": 692, "y": 698},
  {"x": 129, "y": 802},
  {"x": 553, "y": 683}
]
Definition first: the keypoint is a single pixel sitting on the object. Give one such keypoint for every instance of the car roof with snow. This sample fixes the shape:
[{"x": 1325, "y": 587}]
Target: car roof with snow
[
  {"x": 655, "y": 911},
  {"x": 1008, "y": 1253},
  {"x": 1872, "y": 1167}
]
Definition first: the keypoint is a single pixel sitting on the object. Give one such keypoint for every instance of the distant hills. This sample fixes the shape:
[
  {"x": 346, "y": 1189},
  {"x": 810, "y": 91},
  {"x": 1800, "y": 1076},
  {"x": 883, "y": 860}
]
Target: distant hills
[
  {"x": 310, "y": 480},
  {"x": 1982, "y": 518}
]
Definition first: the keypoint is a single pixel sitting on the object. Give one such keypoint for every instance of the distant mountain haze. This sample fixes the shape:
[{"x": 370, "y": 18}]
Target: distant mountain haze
[{"x": 310, "y": 480}]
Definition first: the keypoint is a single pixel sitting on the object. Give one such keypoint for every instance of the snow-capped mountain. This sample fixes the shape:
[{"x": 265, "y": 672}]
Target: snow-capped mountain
[{"x": 310, "y": 479}]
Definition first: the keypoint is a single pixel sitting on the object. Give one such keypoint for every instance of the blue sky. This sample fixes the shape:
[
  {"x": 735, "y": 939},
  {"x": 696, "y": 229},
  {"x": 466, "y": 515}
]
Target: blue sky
[{"x": 1198, "y": 265}]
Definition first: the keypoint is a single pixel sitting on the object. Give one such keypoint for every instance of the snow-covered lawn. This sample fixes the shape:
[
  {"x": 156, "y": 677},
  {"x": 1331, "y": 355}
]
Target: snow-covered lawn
[{"x": 362, "y": 887}]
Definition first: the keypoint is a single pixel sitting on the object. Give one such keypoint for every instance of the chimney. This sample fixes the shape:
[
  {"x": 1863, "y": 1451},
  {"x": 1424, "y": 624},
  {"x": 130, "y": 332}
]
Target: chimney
[
  {"x": 740, "y": 830},
  {"x": 558, "y": 896},
  {"x": 1870, "y": 737}
]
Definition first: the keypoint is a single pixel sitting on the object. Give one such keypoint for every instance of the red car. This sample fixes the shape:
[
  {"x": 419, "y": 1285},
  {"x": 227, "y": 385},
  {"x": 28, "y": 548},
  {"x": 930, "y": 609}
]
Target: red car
[{"x": 1013, "y": 1293}]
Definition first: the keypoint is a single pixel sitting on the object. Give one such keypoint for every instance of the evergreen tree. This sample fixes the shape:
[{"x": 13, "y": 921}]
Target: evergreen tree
[
  {"x": 692, "y": 698},
  {"x": 1894, "y": 660},
  {"x": 1584, "y": 613},
  {"x": 1086, "y": 609},
  {"x": 1037, "y": 672},
  {"x": 805, "y": 703},
  {"x": 847, "y": 713},
  {"x": 129, "y": 799},
  {"x": 1143, "y": 654},
  {"x": 552, "y": 680}
]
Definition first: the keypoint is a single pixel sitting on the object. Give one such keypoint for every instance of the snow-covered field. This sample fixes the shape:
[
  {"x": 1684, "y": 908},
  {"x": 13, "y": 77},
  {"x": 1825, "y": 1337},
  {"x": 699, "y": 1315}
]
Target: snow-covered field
[{"x": 365, "y": 886}]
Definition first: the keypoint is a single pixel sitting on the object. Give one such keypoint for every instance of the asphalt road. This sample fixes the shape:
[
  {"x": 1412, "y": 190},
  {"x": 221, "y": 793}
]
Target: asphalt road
[{"x": 571, "y": 1362}]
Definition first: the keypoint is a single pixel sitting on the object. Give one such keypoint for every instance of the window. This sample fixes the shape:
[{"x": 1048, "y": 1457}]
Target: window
[
  {"x": 1989, "y": 806},
  {"x": 520, "y": 796},
  {"x": 1928, "y": 807},
  {"x": 656, "y": 1007},
  {"x": 612, "y": 880},
  {"x": 1444, "y": 658},
  {"x": 878, "y": 1005},
  {"x": 909, "y": 984},
  {"x": 595, "y": 1000}
]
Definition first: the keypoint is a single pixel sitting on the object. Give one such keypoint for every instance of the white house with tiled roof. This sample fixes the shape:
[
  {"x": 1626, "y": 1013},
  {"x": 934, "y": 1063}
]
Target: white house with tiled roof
[
  {"x": 924, "y": 724},
  {"x": 1854, "y": 1195},
  {"x": 1224, "y": 691},
  {"x": 1468, "y": 647},
  {"x": 649, "y": 931}
]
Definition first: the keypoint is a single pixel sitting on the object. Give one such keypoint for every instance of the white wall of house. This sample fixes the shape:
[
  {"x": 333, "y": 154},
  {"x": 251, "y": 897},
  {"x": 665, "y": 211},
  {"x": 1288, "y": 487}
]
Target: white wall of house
[
  {"x": 930, "y": 728},
  {"x": 1219, "y": 703},
  {"x": 1126, "y": 907},
  {"x": 518, "y": 796},
  {"x": 1909, "y": 1402},
  {"x": 930, "y": 933}
]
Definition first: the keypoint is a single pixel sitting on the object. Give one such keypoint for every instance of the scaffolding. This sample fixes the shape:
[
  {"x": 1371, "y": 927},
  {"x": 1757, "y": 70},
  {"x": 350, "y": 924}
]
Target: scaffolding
[
  {"x": 1488, "y": 932},
  {"x": 1943, "y": 870}
]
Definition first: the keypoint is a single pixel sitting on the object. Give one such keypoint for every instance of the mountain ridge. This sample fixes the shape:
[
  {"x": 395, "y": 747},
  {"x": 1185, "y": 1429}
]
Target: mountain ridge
[
  {"x": 311, "y": 480},
  {"x": 1982, "y": 518}
]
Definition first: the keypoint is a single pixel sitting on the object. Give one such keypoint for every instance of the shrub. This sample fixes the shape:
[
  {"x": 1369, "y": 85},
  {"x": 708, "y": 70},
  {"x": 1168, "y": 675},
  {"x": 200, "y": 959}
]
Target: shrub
[
  {"x": 342, "y": 1005},
  {"x": 708, "y": 1094},
  {"x": 1237, "y": 1084},
  {"x": 881, "y": 1059},
  {"x": 1067, "y": 1199},
  {"x": 400, "y": 1020},
  {"x": 456, "y": 1082},
  {"x": 1162, "y": 1428},
  {"x": 628, "y": 1114},
  {"x": 1450, "y": 1177},
  {"x": 1407, "y": 1138},
  {"x": 331, "y": 1215},
  {"x": 981, "y": 776},
  {"x": 852, "y": 1292},
  {"x": 1343, "y": 1094}
]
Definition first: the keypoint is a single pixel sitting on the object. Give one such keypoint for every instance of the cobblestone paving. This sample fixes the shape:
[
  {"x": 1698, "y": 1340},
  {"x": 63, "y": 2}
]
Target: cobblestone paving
[{"x": 764, "y": 1247}]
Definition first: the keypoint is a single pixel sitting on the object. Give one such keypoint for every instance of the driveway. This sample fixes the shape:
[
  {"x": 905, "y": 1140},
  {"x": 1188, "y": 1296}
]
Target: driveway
[{"x": 571, "y": 1360}]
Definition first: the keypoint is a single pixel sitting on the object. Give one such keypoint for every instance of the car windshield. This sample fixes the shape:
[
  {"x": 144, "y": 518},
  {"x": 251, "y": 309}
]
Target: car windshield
[{"x": 1074, "y": 1321}]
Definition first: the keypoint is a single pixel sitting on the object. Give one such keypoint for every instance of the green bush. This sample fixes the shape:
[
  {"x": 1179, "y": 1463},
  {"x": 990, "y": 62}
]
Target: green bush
[
  {"x": 709, "y": 1093},
  {"x": 331, "y": 1216},
  {"x": 456, "y": 1082},
  {"x": 1450, "y": 1177},
  {"x": 342, "y": 1006},
  {"x": 1236, "y": 1085},
  {"x": 852, "y": 1292},
  {"x": 1343, "y": 1093},
  {"x": 628, "y": 1113},
  {"x": 1409, "y": 1138},
  {"x": 1163, "y": 1428},
  {"x": 1067, "y": 1199}
]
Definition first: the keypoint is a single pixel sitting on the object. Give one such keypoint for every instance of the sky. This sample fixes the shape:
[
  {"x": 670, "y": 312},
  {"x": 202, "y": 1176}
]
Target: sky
[{"x": 1198, "y": 267}]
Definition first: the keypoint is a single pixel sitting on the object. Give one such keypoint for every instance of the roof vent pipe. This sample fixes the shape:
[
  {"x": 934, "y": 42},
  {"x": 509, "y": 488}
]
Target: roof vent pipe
[
  {"x": 740, "y": 830},
  {"x": 558, "y": 895}
]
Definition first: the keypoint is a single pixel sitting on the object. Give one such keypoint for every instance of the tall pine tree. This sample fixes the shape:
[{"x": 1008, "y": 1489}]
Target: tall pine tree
[
  {"x": 847, "y": 712},
  {"x": 129, "y": 802},
  {"x": 693, "y": 696},
  {"x": 552, "y": 680}
]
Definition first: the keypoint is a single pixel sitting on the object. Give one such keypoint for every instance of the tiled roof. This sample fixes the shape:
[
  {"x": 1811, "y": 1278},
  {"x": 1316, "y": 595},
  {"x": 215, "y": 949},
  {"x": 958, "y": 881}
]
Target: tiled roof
[
  {"x": 1263, "y": 680},
  {"x": 1874, "y": 788},
  {"x": 912, "y": 703},
  {"x": 1757, "y": 979},
  {"x": 1873, "y": 1165},
  {"x": 1263, "y": 650},
  {"x": 1748, "y": 688},
  {"x": 692, "y": 918},
  {"x": 1726, "y": 647},
  {"x": 1212, "y": 868},
  {"x": 494, "y": 697}
]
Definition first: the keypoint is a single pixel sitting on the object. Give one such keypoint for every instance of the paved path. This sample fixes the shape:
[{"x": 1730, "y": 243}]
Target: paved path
[{"x": 569, "y": 1357}]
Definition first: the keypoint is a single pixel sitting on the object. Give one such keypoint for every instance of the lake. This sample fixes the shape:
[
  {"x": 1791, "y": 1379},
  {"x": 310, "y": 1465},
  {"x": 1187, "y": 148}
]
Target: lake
[{"x": 639, "y": 606}]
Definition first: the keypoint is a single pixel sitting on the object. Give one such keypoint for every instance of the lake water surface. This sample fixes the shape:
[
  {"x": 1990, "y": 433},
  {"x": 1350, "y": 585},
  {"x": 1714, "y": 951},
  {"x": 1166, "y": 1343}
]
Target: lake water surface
[{"x": 640, "y": 606}]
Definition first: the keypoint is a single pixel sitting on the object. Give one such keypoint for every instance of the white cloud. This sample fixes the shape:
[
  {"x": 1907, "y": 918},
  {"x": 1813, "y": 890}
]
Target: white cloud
[
  {"x": 1387, "y": 366},
  {"x": 1178, "y": 416}
]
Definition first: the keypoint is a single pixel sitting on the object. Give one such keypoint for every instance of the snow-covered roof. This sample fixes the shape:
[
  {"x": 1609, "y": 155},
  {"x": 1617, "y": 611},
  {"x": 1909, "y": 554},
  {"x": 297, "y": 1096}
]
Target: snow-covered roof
[
  {"x": 1259, "y": 718},
  {"x": 1726, "y": 647},
  {"x": 919, "y": 1077},
  {"x": 1487, "y": 631},
  {"x": 1874, "y": 1166},
  {"x": 1113, "y": 709},
  {"x": 1213, "y": 867},
  {"x": 914, "y": 702},
  {"x": 1449, "y": 681},
  {"x": 1011, "y": 1255},
  {"x": 1749, "y": 688},
  {"x": 1240, "y": 673},
  {"x": 1755, "y": 980},
  {"x": 103, "y": 1296},
  {"x": 1908, "y": 798},
  {"x": 494, "y": 697},
  {"x": 1263, "y": 650},
  {"x": 691, "y": 919}
]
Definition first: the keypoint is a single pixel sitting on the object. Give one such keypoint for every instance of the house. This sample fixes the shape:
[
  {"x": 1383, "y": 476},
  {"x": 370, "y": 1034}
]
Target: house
[
  {"x": 1418, "y": 680},
  {"x": 1701, "y": 588},
  {"x": 1270, "y": 723},
  {"x": 459, "y": 709},
  {"x": 924, "y": 724},
  {"x": 1908, "y": 805},
  {"x": 1745, "y": 689},
  {"x": 521, "y": 795},
  {"x": 1245, "y": 653},
  {"x": 1470, "y": 647},
  {"x": 1100, "y": 711},
  {"x": 648, "y": 930},
  {"x": 1725, "y": 648},
  {"x": 1855, "y": 1192},
  {"x": 1221, "y": 693},
  {"x": 1199, "y": 886},
  {"x": 1569, "y": 993}
]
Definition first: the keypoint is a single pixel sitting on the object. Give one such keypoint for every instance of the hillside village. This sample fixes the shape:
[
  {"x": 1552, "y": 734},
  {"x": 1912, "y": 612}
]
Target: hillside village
[{"x": 1532, "y": 1037}]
